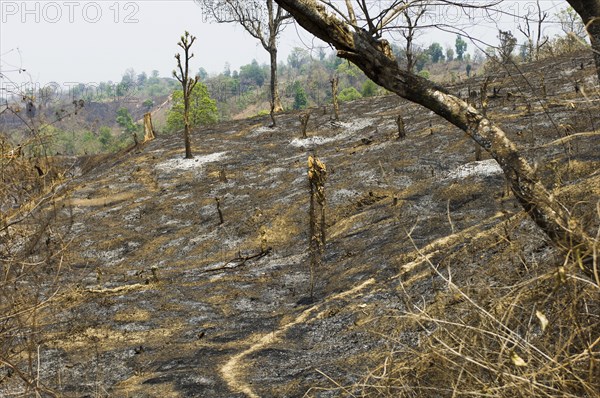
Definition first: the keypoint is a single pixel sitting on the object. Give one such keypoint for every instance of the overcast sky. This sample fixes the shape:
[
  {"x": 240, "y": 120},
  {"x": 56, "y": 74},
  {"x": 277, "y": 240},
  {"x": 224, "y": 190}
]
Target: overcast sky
[{"x": 92, "y": 41}]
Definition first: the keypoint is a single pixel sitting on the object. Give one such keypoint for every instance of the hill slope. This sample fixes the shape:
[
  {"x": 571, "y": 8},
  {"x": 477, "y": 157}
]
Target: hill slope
[{"x": 160, "y": 299}]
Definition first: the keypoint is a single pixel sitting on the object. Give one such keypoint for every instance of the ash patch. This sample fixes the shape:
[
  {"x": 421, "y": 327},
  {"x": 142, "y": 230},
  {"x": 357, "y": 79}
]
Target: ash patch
[
  {"x": 483, "y": 168},
  {"x": 189, "y": 164}
]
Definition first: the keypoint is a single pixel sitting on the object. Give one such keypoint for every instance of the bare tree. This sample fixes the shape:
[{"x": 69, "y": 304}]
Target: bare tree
[
  {"x": 188, "y": 85},
  {"x": 589, "y": 11},
  {"x": 263, "y": 20},
  {"x": 535, "y": 40},
  {"x": 412, "y": 15},
  {"x": 374, "y": 57}
]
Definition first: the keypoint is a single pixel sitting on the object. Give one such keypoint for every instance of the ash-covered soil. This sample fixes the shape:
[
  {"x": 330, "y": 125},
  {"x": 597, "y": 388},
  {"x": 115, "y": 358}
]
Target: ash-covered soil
[{"x": 160, "y": 299}]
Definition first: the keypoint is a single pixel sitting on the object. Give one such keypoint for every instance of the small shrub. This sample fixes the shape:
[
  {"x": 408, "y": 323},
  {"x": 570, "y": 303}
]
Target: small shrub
[{"x": 349, "y": 94}]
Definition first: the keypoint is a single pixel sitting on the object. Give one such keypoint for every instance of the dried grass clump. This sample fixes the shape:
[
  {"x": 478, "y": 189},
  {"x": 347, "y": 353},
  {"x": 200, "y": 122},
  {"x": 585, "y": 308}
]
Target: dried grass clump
[
  {"x": 32, "y": 250},
  {"x": 536, "y": 334}
]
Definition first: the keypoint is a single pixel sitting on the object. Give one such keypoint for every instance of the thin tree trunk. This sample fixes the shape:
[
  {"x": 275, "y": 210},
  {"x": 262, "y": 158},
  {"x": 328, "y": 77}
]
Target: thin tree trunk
[
  {"x": 276, "y": 101},
  {"x": 410, "y": 60},
  {"x": 186, "y": 127},
  {"x": 334, "y": 95},
  {"x": 370, "y": 56}
]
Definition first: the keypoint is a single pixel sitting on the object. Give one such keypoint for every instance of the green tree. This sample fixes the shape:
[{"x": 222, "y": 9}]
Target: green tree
[
  {"x": 507, "y": 45},
  {"x": 148, "y": 104},
  {"x": 369, "y": 88},
  {"x": 436, "y": 52},
  {"x": 350, "y": 72},
  {"x": 154, "y": 76},
  {"x": 461, "y": 47},
  {"x": 142, "y": 78},
  {"x": 300, "y": 98},
  {"x": 105, "y": 137},
  {"x": 202, "y": 73},
  {"x": 125, "y": 120},
  {"x": 421, "y": 60},
  {"x": 129, "y": 77},
  {"x": 298, "y": 57},
  {"x": 203, "y": 109},
  {"x": 349, "y": 94},
  {"x": 449, "y": 54},
  {"x": 253, "y": 73}
]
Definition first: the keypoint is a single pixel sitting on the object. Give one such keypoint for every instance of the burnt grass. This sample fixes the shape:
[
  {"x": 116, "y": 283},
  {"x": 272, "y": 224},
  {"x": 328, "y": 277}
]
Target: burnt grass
[{"x": 155, "y": 299}]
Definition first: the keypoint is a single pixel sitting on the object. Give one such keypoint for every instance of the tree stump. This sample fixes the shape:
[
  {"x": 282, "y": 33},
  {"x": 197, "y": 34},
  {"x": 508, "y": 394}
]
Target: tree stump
[
  {"x": 317, "y": 174},
  {"x": 304, "y": 117},
  {"x": 334, "y": 94},
  {"x": 148, "y": 129},
  {"x": 401, "y": 131}
]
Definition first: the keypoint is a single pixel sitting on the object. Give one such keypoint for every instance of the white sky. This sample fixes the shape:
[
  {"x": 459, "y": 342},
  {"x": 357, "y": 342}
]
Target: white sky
[{"x": 91, "y": 41}]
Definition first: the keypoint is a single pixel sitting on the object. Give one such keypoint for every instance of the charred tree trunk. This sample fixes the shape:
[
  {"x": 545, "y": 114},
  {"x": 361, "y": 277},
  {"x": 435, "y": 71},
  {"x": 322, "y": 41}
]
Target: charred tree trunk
[
  {"x": 334, "y": 95},
  {"x": 304, "y": 118},
  {"x": 186, "y": 126},
  {"x": 148, "y": 128},
  {"x": 410, "y": 58},
  {"x": 317, "y": 174},
  {"x": 275, "y": 100},
  {"x": 401, "y": 129},
  {"x": 374, "y": 58}
]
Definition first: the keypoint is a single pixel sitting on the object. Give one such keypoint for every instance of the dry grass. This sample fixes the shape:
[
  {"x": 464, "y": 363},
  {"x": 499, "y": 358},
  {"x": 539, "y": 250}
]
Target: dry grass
[
  {"x": 523, "y": 334},
  {"x": 31, "y": 262}
]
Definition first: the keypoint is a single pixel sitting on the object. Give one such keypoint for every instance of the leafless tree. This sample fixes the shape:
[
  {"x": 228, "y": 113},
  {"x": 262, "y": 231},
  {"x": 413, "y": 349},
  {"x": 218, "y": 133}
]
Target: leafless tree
[
  {"x": 188, "y": 85},
  {"x": 374, "y": 57},
  {"x": 264, "y": 20},
  {"x": 412, "y": 15},
  {"x": 534, "y": 37}
]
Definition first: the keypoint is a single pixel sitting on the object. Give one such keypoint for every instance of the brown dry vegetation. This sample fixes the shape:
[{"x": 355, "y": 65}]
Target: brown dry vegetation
[{"x": 123, "y": 282}]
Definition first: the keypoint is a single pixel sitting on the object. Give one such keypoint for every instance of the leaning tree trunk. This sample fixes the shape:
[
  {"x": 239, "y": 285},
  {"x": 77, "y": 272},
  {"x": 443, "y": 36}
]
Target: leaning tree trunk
[
  {"x": 275, "y": 100},
  {"x": 376, "y": 60},
  {"x": 594, "y": 32},
  {"x": 589, "y": 11}
]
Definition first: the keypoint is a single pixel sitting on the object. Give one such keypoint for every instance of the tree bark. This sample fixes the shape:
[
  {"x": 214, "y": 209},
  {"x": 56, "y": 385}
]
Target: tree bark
[
  {"x": 186, "y": 121},
  {"x": 375, "y": 59},
  {"x": 334, "y": 95},
  {"x": 148, "y": 128},
  {"x": 275, "y": 20},
  {"x": 589, "y": 11},
  {"x": 276, "y": 101}
]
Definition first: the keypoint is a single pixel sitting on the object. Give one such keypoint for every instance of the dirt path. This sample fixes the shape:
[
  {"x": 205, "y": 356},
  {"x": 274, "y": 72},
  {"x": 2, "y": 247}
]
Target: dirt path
[{"x": 232, "y": 370}]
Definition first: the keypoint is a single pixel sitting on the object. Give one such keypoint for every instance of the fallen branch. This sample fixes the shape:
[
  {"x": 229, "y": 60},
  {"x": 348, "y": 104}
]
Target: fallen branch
[
  {"x": 119, "y": 289},
  {"x": 241, "y": 260}
]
